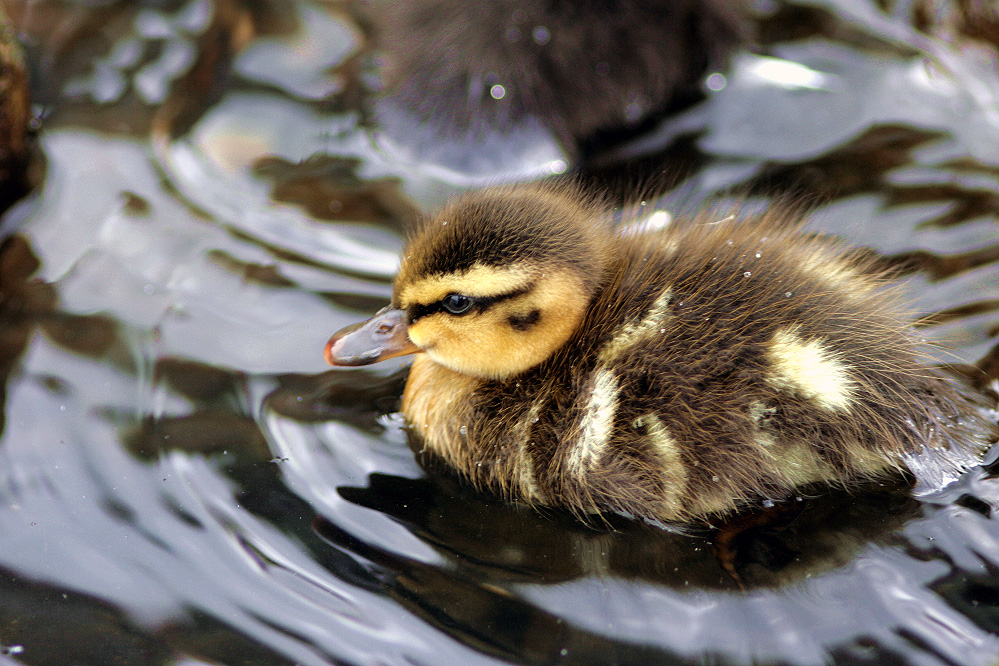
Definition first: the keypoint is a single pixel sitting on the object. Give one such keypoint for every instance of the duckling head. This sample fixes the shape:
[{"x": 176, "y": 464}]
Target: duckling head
[{"x": 492, "y": 286}]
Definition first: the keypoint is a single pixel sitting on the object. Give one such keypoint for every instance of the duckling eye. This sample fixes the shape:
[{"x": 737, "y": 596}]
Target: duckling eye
[{"x": 457, "y": 304}]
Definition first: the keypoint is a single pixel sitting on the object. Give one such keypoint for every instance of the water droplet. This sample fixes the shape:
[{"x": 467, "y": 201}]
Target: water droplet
[
  {"x": 768, "y": 504},
  {"x": 747, "y": 274},
  {"x": 716, "y": 82},
  {"x": 633, "y": 112},
  {"x": 540, "y": 35},
  {"x": 729, "y": 242},
  {"x": 787, "y": 294},
  {"x": 758, "y": 255},
  {"x": 463, "y": 430},
  {"x": 715, "y": 478},
  {"x": 497, "y": 91},
  {"x": 662, "y": 330}
]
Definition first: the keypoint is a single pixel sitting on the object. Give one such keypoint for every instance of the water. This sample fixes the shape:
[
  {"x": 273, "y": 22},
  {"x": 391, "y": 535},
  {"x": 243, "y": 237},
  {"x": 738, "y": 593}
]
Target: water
[{"x": 183, "y": 481}]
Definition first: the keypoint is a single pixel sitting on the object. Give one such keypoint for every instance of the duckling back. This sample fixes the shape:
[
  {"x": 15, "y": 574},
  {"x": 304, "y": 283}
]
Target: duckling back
[{"x": 716, "y": 363}]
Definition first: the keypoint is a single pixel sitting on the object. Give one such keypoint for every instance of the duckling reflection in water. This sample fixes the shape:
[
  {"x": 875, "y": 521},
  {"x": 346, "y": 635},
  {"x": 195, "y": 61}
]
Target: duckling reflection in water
[{"x": 670, "y": 374}]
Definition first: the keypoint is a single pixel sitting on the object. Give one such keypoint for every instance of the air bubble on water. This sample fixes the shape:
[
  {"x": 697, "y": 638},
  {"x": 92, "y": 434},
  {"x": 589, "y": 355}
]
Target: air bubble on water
[{"x": 716, "y": 81}]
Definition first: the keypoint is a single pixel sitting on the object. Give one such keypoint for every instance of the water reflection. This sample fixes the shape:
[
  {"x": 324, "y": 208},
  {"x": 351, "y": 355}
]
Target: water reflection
[
  {"x": 798, "y": 541},
  {"x": 183, "y": 480},
  {"x": 493, "y": 560}
]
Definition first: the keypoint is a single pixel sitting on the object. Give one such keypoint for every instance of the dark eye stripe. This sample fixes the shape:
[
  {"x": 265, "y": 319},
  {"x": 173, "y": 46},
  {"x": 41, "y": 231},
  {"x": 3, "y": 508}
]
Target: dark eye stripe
[{"x": 479, "y": 303}]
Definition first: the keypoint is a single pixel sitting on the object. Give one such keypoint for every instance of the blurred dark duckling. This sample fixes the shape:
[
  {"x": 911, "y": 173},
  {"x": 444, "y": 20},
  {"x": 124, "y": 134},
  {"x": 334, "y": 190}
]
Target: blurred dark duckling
[
  {"x": 19, "y": 168},
  {"x": 585, "y": 69},
  {"x": 952, "y": 21},
  {"x": 669, "y": 374}
]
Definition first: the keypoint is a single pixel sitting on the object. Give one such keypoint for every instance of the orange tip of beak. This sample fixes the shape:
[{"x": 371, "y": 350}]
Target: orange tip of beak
[{"x": 382, "y": 337}]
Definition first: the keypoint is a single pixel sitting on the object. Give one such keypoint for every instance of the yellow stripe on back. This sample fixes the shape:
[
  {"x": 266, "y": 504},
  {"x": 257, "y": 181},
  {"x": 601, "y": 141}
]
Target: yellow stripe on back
[
  {"x": 812, "y": 369},
  {"x": 655, "y": 320},
  {"x": 597, "y": 423}
]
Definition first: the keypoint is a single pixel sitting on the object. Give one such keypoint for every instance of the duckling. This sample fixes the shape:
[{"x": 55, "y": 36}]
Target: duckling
[
  {"x": 579, "y": 67},
  {"x": 670, "y": 374}
]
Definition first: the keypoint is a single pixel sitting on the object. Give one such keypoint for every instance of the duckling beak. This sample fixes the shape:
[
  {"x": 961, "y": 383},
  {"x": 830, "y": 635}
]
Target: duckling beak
[{"x": 381, "y": 337}]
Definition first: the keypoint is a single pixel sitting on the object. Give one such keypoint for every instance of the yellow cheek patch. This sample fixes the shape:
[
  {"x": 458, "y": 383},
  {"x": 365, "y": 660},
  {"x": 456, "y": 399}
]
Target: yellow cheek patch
[
  {"x": 811, "y": 369},
  {"x": 445, "y": 332},
  {"x": 490, "y": 343},
  {"x": 480, "y": 280},
  {"x": 418, "y": 334}
]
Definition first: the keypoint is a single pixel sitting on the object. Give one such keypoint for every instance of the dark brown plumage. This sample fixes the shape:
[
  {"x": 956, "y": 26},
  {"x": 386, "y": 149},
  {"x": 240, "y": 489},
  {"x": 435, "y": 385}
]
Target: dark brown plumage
[
  {"x": 668, "y": 374},
  {"x": 582, "y": 67}
]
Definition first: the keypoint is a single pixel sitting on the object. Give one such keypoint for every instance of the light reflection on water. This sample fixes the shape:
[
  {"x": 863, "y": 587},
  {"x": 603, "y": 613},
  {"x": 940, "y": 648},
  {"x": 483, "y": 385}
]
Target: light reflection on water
[{"x": 183, "y": 479}]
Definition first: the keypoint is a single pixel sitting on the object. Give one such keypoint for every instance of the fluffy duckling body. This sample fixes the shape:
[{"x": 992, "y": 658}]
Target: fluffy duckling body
[{"x": 669, "y": 374}]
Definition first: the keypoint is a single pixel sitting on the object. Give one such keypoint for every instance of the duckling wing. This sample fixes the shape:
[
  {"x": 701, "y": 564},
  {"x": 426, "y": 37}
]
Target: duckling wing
[{"x": 717, "y": 376}]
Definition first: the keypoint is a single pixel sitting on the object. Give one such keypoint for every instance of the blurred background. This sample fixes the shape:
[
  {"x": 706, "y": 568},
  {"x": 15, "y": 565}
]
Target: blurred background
[{"x": 200, "y": 192}]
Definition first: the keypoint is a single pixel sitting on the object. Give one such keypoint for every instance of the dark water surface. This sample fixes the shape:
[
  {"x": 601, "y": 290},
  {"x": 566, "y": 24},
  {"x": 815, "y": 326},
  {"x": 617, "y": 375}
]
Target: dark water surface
[{"x": 183, "y": 482}]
